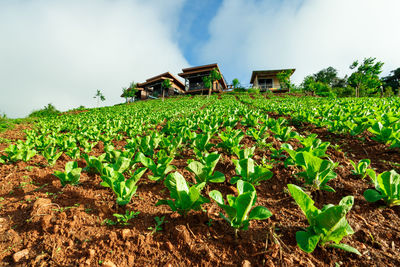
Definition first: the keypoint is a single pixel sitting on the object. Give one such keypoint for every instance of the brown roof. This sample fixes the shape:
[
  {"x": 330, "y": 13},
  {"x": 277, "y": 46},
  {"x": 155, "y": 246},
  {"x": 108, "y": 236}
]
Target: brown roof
[
  {"x": 199, "y": 69},
  {"x": 266, "y": 72},
  {"x": 164, "y": 76}
]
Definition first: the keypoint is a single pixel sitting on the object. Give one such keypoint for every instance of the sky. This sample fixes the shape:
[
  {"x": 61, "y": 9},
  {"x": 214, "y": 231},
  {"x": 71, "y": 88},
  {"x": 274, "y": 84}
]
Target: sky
[{"x": 61, "y": 52}]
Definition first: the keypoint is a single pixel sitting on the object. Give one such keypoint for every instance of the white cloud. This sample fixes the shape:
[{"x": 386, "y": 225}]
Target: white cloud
[
  {"x": 305, "y": 34},
  {"x": 61, "y": 52}
]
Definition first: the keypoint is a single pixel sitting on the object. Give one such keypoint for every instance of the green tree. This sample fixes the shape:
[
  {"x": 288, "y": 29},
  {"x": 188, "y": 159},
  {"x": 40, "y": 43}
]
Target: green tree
[
  {"x": 99, "y": 97},
  {"x": 365, "y": 79},
  {"x": 209, "y": 80},
  {"x": 392, "y": 81},
  {"x": 125, "y": 94},
  {"x": 166, "y": 84},
  {"x": 235, "y": 83},
  {"x": 284, "y": 79}
]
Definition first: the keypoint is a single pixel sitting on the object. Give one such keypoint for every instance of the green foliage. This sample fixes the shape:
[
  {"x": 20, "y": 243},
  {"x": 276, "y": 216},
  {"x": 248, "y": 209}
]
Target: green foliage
[
  {"x": 51, "y": 155},
  {"x": 157, "y": 228},
  {"x": 249, "y": 172},
  {"x": 317, "y": 172},
  {"x": 284, "y": 79},
  {"x": 360, "y": 169},
  {"x": 204, "y": 171},
  {"x": 240, "y": 210},
  {"x": 160, "y": 169},
  {"x": 235, "y": 83},
  {"x": 123, "y": 188},
  {"x": 387, "y": 188},
  {"x": 365, "y": 79},
  {"x": 327, "y": 227},
  {"x": 47, "y": 111},
  {"x": 253, "y": 90},
  {"x": 230, "y": 139},
  {"x": 71, "y": 175},
  {"x": 17, "y": 152},
  {"x": 184, "y": 198},
  {"x": 124, "y": 219}
]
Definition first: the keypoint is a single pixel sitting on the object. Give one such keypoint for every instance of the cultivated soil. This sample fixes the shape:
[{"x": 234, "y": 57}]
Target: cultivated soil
[{"x": 44, "y": 224}]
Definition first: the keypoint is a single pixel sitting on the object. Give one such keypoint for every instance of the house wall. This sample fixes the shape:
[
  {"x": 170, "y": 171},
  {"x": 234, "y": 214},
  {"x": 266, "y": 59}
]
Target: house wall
[{"x": 275, "y": 80}]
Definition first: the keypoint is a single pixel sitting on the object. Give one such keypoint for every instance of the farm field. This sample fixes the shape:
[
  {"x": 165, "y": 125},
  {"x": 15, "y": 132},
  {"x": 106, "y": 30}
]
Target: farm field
[{"x": 81, "y": 188}]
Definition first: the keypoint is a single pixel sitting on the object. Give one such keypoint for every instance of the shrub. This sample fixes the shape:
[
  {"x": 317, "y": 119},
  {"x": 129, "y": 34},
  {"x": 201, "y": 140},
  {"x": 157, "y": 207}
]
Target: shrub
[{"x": 48, "y": 110}]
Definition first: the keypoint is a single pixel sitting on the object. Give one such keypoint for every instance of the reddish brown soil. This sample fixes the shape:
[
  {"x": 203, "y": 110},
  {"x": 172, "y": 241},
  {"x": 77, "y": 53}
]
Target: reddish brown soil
[{"x": 58, "y": 226}]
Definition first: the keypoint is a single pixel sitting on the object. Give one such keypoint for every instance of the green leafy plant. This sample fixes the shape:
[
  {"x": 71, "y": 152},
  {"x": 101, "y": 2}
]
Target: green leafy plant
[
  {"x": 317, "y": 172},
  {"x": 204, "y": 172},
  {"x": 16, "y": 152},
  {"x": 157, "y": 228},
  {"x": 51, "y": 155},
  {"x": 248, "y": 171},
  {"x": 360, "y": 169},
  {"x": 184, "y": 198},
  {"x": 123, "y": 188},
  {"x": 159, "y": 169},
  {"x": 148, "y": 144},
  {"x": 71, "y": 175},
  {"x": 387, "y": 188},
  {"x": 327, "y": 227},
  {"x": 124, "y": 219},
  {"x": 240, "y": 210},
  {"x": 230, "y": 139}
]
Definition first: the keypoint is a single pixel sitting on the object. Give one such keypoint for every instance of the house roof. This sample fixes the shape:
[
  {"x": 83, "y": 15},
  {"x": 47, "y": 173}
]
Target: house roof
[
  {"x": 161, "y": 77},
  {"x": 267, "y": 72},
  {"x": 199, "y": 69}
]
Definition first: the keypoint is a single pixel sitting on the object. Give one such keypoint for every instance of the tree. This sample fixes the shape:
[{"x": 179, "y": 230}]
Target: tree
[
  {"x": 99, "y": 97},
  {"x": 235, "y": 83},
  {"x": 284, "y": 79},
  {"x": 365, "y": 79},
  {"x": 316, "y": 87},
  {"x": 166, "y": 84},
  {"x": 125, "y": 94},
  {"x": 209, "y": 80},
  {"x": 392, "y": 81}
]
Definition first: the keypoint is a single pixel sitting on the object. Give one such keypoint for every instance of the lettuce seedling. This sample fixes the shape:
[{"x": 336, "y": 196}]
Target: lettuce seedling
[
  {"x": 159, "y": 169},
  {"x": 317, "y": 172},
  {"x": 387, "y": 188},
  {"x": 360, "y": 169},
  {"x": 71, "y": 175},
  {"x": 240, "y": 210},
  {"x": 185, "y": 198},
  {"x": 204, "y": 172},
  {"x": 93, "y": 164},
  {"x": 123, "y": 188},
  {"x": 230, "y": 139},
  {"x": 17, "y": 152},
  {"x": 148, "y": 144},
  {"x": 51, "y": 155},
  {"x": 123, "y": 219},
  {"x": 313, "y": 145},
  {"x": 249, "y": 172},
  {"x": 245, "y": 153},
  {"x": 201, "y": 143},
  {"x": 327, "y": 227}
]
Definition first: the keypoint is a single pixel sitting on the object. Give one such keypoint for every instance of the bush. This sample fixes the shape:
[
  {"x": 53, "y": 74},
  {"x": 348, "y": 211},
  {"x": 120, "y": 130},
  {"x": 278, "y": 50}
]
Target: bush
[
  {"x": 344, "y": 91},
  {"x": 48, "y": 110},
  {"x": 239, "y": 90},
  {"x": 253, "y": 91}
]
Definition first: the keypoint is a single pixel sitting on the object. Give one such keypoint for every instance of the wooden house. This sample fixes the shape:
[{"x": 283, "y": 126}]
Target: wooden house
[
  {"x": 267, "y": 80},
  {"x": 153, "y": 86},
  {"x": 194, "y": 79}
]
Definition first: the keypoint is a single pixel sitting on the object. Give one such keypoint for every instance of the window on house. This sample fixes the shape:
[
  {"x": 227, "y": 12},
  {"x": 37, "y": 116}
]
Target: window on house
[{"x": 265, "y": 83}]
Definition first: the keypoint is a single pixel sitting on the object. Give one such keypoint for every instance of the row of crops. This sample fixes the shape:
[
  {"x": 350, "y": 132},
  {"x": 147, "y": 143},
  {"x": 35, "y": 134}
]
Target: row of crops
[
  {"x": 378, "y": 116},
  {"x": 203, "y": 131}
]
